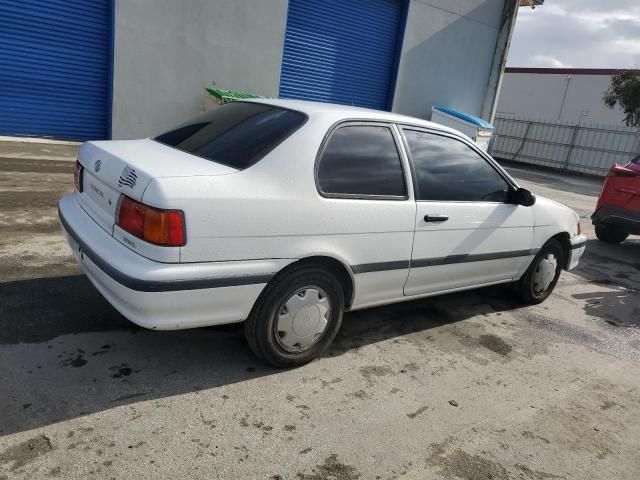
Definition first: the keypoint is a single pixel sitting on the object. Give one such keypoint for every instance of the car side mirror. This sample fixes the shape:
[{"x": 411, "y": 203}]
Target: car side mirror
[{"x": 523, "y": 197}]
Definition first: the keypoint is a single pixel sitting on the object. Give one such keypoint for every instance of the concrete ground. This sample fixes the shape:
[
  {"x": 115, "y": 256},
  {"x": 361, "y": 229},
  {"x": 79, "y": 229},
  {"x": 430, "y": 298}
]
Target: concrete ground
[{"x": 467, "y": 386}]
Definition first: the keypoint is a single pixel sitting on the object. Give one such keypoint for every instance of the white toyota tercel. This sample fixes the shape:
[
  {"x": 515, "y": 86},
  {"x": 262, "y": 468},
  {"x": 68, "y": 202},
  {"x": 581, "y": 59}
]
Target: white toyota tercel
[{"x": 285, "y": 214}]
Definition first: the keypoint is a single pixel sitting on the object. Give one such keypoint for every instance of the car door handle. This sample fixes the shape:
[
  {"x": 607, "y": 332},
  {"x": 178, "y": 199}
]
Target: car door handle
[{"x": 435, "y": 218}]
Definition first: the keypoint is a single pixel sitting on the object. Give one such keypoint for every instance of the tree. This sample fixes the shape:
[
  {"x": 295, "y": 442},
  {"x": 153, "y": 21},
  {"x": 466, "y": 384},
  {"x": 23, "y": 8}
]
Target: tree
[{"x": 624, "y": 90}]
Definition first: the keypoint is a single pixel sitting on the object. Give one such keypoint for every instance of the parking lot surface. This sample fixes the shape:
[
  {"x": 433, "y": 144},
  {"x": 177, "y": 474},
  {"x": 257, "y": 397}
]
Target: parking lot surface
[{"x": 468, "y": 386}]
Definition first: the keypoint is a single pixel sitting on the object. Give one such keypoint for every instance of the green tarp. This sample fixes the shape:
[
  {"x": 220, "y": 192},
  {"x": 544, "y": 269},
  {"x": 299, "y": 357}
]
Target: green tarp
[{"x": 226, "y": 96}]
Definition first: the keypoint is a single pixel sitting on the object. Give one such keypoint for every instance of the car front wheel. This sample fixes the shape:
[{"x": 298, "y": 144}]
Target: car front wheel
[
  {"x": 296, "y": 317},
  {"x": 542, "y": 275},
  {"x": 610, "y": 234}
]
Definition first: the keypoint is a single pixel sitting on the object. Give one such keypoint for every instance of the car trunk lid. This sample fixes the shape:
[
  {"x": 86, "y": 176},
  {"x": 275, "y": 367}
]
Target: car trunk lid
[{"x": 126, "y": 167}]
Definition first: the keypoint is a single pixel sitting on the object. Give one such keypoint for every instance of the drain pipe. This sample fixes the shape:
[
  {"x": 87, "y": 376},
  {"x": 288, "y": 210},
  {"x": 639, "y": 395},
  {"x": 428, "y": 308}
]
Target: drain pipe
[
  {"x": 564, "y": 97},
  {"x": 490, "y": 104}
]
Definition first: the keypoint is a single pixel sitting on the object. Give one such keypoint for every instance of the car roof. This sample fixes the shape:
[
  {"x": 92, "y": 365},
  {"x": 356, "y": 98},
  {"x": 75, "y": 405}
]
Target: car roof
[{"x": 348, "y": 112}]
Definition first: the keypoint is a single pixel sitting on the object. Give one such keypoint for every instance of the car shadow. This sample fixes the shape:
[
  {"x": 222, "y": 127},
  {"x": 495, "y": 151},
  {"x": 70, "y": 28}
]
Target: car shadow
[
  {"x": 366, "y": 327},
  {"x": 618, "y": 307},
  {"x": 611, "y": 264},
  {"x": 613, "y": 272},
  {"x": 65, "y": 352}
]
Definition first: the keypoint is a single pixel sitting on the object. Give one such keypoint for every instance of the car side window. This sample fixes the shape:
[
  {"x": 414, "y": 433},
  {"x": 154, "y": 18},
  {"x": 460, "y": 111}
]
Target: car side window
[
  {"x": 361, "y": 160},
  {"x": 447, "y": 169}
]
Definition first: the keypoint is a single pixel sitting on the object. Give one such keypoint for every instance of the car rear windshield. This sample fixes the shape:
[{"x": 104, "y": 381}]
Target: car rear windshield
[
  {"x": 636, "y": 160},
  {"x": 237, "y": 134}
]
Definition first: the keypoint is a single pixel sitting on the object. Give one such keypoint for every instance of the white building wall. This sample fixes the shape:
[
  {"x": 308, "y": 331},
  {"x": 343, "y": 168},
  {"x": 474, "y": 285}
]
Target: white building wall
[
  {"x": 166, "y": 52},
  {"x": 561, "y": 96},
  {"x": 447, "y": 55}
]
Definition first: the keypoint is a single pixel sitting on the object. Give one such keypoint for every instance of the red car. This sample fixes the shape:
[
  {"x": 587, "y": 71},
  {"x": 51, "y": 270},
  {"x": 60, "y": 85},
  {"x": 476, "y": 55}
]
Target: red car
[{"x": 617, "y": 213}]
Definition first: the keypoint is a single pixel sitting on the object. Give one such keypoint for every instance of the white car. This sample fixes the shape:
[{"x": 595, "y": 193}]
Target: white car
[{"x": 285, "y": 214}]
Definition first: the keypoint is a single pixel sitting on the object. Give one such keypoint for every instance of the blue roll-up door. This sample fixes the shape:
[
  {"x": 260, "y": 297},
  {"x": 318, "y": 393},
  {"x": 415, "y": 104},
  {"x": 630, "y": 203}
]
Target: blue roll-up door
[
  {"x": 342, "y": 51},
  {"x": 55, "y": 68}
]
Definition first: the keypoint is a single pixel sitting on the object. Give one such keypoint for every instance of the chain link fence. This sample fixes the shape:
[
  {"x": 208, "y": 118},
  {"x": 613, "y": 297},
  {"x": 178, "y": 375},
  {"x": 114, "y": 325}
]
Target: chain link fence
[{"x": 579, "y": 147}]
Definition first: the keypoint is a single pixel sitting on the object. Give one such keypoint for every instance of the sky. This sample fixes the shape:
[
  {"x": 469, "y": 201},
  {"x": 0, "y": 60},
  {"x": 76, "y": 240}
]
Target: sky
[{"x": 577, "y": 33}]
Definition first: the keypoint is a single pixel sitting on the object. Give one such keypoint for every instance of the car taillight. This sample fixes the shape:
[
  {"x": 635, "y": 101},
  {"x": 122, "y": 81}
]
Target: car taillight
[
  {"x": 153, "y": 225},
  {"x": 77, "y": 176},
  {"x": 620, "y": 171}
]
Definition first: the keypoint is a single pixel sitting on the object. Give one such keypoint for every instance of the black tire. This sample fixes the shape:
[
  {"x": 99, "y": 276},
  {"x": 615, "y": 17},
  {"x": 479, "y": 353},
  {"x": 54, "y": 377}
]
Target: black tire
[
  {"x": 610, "y": 234},
  {"x": 525, "y": 285},
  {"x": 260, "y": 326}
]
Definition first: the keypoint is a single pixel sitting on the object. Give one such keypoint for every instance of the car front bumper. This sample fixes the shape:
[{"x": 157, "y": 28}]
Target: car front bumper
[
  {"x": 578, "y": 246},
  {"x": 163, "y": 296},
  {"x": 627, "y": 220}
]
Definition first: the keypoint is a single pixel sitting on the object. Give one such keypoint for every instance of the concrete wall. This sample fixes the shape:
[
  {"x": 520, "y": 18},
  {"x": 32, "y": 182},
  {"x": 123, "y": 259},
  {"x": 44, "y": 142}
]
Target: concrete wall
[
  {"x": 540, "y": 95},
  {"x": 166, "y": 52},
  {"x": 447, "y": 55}
]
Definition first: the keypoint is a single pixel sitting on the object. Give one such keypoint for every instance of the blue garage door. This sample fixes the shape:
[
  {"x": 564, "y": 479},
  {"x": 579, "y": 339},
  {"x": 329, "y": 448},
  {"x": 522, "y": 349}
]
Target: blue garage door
[
  {"x": 342, "y": 51},
  {"x": 55, "y": 68}
]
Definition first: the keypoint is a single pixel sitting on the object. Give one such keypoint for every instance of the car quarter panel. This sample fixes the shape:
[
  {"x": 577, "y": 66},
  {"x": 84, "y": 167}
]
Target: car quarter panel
[{"x": 163, "y": 295}]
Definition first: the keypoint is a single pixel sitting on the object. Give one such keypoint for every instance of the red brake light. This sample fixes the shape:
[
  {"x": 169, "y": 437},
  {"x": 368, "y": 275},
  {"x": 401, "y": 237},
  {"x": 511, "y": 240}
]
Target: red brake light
[
  {"x": 620, "y": 171},
  {"x": 131, "y": 217},
  {"x": 153, "y": 225},
  {"x": 77, "y": 176}
]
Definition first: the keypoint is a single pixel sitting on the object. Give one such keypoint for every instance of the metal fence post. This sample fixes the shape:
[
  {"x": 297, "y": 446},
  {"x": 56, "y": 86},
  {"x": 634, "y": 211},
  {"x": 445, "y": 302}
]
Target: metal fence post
[
  {"x": 571, "y": 145},
  {"x": 524, "y": 140}
]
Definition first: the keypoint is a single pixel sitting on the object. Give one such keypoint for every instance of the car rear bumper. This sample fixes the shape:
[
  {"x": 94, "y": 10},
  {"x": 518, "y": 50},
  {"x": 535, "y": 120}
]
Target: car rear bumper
[
  {"x": 163, "y": 296},
  {"x": 628, "y": 220},
  {"x": 578, "y": 246}
]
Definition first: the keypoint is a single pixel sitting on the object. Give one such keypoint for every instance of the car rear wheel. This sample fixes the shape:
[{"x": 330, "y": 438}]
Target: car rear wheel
[
  {"x": 610, "y": 234},
  {"x": 542, "y": 275},
  {"x": 296, "y": 317}
]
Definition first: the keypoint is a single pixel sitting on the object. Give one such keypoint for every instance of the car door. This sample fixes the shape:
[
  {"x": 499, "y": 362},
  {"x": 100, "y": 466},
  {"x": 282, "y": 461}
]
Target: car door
[
  {"x": 467, "y": 232},
  {"x": 367, "y": 210}
]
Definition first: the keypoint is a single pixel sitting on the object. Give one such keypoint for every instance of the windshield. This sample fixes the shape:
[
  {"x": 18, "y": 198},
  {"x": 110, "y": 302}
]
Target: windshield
[{"x": 237, "y": 134}]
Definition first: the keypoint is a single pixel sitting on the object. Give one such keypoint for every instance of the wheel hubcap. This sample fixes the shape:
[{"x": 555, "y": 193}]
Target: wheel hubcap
[
  {"x": 302, "y": 319},
  {"x": 545, "y": 273}
]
